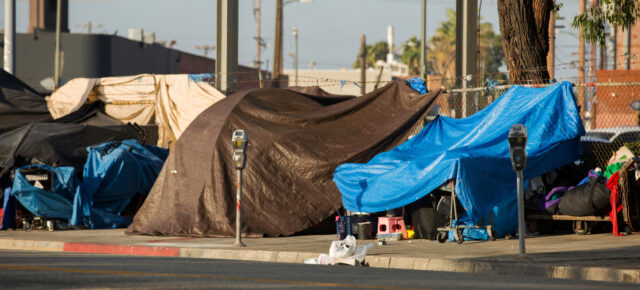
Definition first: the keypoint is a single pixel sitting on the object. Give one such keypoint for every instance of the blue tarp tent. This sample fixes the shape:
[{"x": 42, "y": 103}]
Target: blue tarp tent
[
  {"x": 474, "y": 151},
  {"x": 113, "y": 174}
]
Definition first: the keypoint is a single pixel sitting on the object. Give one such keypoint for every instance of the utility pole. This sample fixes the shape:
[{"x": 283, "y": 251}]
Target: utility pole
[
  {"x": 295, "y": 64},
  {"x": 56, "y": 61},
  {"x": 551, "y": 55},
  {"x": 592, "y": 52},
  {"x": 467, "y": 41},
  {"x": 277, "y": 50},
  {"x": 423, "y": 35},
  {"x": 592, "y": 62},
  {"x": 227, "y": 46},
  {"x": 479, "y": 68},
  {"x": 613, "y": 49},
  {"x": 581, "y": 64},
  {"x": 10, "y": 36},
  {"x": 258, "y": 38},
  {"x": 627, "y": 48},
  {"x": 603, "y": 56},
  {"x": 259, "y": 43},
  {"x": 363, "y": 65}
]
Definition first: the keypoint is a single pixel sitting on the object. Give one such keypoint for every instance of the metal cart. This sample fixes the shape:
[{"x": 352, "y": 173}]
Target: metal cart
[
  {"x": 581, "y": 224},
  {"x": 443, "y": 232},
  {"x": 44, "y": 179}
]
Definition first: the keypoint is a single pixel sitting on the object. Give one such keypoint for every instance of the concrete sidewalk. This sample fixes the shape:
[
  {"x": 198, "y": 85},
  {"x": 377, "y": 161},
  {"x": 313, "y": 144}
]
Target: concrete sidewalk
[{"x": 601, "y": 257}]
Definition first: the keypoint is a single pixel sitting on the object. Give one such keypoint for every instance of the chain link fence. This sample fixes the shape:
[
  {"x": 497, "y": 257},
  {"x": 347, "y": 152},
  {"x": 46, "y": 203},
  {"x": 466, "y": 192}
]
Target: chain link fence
[{"x": 606, "y": 111}]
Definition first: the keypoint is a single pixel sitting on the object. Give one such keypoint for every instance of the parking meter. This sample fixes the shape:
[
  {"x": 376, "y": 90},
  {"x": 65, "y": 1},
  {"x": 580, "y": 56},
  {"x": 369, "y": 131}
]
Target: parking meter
[
  {"x": 518, "y": 152},
  {"x": 239, "y": 141},
  {"x": 517, "y": 146}
]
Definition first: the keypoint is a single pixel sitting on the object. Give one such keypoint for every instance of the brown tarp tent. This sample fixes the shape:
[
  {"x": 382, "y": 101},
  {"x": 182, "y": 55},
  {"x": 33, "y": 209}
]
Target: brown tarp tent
[{"x": 297, "y": 138}]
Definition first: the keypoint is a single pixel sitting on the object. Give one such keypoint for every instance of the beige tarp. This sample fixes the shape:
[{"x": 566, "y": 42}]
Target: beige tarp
[{"x": 170, "y": 101}]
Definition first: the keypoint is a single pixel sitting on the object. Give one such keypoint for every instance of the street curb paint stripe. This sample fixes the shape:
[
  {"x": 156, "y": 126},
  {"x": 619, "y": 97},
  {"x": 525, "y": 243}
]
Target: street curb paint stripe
[{"x": 121, "y": 249}]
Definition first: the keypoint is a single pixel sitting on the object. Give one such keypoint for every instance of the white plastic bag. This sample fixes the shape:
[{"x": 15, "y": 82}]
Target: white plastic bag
[
  {"x": 342, "y": 252},
  {"x": 343, "y": 249}
]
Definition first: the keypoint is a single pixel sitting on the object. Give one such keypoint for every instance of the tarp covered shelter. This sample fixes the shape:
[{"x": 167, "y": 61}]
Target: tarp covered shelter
[
  {"x": 296, "y": 140},
  {"x": 58, "y": 144},
  {"x": 115, "y": 172},
  {"x": 474, "y": 151},
  {"x": 170, "y": 101}
]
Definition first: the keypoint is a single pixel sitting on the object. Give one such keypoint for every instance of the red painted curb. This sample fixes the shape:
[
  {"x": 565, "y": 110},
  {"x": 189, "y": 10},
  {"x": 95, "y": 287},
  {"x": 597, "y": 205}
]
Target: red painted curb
[{"x": 121, "y": 249}]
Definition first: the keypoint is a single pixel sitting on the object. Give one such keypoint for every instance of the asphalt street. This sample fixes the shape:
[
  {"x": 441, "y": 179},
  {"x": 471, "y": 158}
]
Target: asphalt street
[{"x": 37, "y": 270}]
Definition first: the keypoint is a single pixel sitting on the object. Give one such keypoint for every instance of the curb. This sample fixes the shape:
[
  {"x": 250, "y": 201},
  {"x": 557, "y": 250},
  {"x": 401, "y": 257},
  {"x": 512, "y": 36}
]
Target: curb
[{"x": 406, "y": 263}]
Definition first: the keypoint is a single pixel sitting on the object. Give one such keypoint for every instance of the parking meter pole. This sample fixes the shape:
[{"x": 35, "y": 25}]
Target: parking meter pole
[
  {"x": 239, "y": 142},
  {"x": 517, "y": 139},
  {"x": 521, "y": 229},
  {"x": 238, "y": 197}
]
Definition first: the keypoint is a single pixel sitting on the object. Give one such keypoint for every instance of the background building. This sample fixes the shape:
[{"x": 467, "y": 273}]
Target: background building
[{"x": 101, "y": 55}]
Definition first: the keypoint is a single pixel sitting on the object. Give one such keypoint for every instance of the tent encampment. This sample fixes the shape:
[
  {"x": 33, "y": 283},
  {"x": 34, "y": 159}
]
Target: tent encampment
[
  {"x": 296, "y": 140},
  {"x": 170, "y": 101},
  {"x": 474, "y": 151}
]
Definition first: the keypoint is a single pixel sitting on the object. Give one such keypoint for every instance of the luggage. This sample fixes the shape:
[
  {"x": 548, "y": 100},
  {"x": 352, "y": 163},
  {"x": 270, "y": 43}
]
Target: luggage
[{"x": 591, "y": 198}]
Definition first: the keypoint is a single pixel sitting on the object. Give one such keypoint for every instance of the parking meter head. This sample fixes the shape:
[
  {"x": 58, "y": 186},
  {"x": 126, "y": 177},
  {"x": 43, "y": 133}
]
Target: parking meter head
[
  {"x": 239, "y": 139},
  {"x": 517, "y": 146},
  {"x": 239, "y": 159}
]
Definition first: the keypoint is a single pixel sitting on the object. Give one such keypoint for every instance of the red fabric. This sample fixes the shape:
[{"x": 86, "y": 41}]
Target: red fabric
[{"x": 614, "y": 185}]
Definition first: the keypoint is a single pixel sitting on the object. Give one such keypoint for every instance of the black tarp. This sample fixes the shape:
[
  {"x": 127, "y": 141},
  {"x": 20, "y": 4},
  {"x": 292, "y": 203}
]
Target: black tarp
[
  {"x": 296, "y": 140},
  {"x": 21, "y": 105},
  {"x": 59, "y": 144}
]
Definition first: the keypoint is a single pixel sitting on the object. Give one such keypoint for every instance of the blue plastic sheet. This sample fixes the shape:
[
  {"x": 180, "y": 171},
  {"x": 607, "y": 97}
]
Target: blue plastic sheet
[
  {"x": 113, "y": 174},
  {"x": 418, "y": 84},
  {"x": 8, "y": 209},
  {"x": 43, "y": 202},
  {"x": 474, "y": 151}
]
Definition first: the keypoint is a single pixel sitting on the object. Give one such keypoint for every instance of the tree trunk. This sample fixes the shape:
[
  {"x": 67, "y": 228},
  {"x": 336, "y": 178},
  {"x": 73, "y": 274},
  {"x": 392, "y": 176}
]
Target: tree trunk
[{"x": 524, "y": 28}]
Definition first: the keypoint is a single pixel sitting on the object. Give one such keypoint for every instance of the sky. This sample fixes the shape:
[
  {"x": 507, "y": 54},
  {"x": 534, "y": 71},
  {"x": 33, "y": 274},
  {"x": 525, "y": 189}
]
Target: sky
[{"x": 329, "y": 30}]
